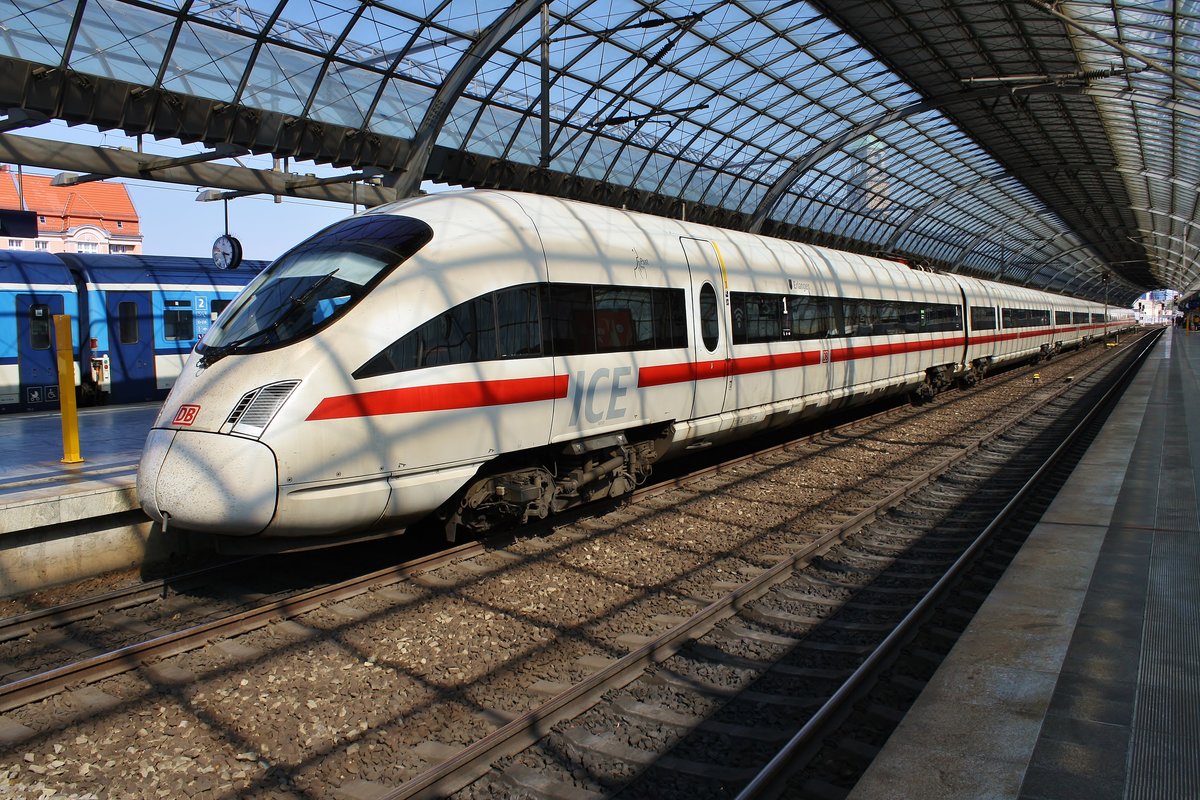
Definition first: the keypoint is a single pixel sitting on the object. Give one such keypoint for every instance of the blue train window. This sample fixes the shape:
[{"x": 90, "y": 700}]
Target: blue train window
[
  {"x": 177, "y": 321},
  {"x": 39, "y": 326},
  {"x": 127, "y": 317}
]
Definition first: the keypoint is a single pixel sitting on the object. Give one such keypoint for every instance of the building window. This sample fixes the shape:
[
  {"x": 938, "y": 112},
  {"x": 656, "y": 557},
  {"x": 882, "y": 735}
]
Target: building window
[
  {"x": 120, "y": 224},
  {"x": 15, "y": 244},
  {"x": 87, "y": 247},
  {"x": 41, "y": 244},
  {"x": 42, "y": 219},
  {"x": 120, "y": 248}
]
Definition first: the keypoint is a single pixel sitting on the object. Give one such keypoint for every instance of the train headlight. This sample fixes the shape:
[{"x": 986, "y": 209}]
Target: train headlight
[{"x": 254, "y": 412}]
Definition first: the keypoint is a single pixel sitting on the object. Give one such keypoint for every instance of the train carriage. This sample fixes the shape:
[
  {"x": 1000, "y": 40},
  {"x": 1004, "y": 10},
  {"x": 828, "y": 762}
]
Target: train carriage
[
  {"x": 142, "y": 315},
  {"x": 135, "y": 320},
  {"x": 488, "y": 356}
]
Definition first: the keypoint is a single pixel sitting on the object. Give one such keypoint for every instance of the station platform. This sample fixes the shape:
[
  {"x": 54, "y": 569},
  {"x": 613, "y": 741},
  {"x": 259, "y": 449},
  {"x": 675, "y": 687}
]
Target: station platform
[
  {"x": 49, "y": 509},
  {"x": 1079, "y": 677}
]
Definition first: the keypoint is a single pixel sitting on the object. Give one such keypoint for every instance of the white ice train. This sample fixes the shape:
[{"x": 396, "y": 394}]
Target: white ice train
[{"x": 492, "y": 356}]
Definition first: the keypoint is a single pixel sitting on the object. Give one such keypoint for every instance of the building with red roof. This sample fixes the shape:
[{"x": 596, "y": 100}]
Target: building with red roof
[{"x": 94, "y": 217}]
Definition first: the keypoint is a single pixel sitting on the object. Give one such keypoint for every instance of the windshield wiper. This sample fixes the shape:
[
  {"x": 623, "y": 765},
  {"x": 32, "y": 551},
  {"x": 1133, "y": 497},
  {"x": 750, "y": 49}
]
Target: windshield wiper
[{"x": 212, "y": 355}]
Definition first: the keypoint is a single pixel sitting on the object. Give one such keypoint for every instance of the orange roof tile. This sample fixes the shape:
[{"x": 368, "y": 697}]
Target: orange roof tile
[{"x": 99, "y": 203}]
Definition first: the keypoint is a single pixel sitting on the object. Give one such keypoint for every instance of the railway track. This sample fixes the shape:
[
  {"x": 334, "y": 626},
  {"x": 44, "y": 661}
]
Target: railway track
[
  {"x": 488, "y": 691},
  {"x": 755, "y": 682}
]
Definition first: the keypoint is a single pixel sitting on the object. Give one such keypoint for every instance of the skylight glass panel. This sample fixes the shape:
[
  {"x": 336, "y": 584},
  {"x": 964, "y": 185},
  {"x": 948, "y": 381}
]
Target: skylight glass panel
[
  {"x": 378, "y": 37},
  {"x": 36, "y": 31},
  {"x": 281, "y": 80},
  {"x": 122, "y": 42},
  {"x": 343, "y": 95},
  {"x": 401, "y": 107},
  {"x": 206, "y": 62}
]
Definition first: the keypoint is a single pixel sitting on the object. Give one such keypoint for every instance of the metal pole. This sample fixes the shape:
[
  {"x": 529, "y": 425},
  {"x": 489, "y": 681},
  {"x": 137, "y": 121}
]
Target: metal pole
[
  {"x": 63, "y": 347},
  {"x": 544, "y": 162}
]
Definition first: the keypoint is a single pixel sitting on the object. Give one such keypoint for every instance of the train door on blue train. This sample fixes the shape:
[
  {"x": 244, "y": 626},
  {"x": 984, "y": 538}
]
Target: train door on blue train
[
  {"x": 36, "y": 359},
  {"x": 131, "y": 346},
  {"x": 710, "y": 339}
]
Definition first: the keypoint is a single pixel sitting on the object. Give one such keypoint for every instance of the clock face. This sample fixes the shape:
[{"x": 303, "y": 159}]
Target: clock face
[{"x": 227, "y": 252}]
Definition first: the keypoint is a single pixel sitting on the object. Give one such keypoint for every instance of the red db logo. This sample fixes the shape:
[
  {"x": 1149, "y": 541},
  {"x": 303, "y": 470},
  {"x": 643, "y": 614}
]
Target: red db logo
[{"x": 186, "y": 415}]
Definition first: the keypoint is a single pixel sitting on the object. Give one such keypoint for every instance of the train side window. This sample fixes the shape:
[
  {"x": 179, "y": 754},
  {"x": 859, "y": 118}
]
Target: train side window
[
  {"x": 624, "y": 318},
  {"x": 518, "y": 322},
  {"x": 756, "y": 317},
  {"x": 887, "y": 317},
  {"x": 709, "y": 321},
  {"x": 1025, "y": 317},
  {"x": 670, "y": 318},
  {"x": 216, "y": 307},
  {"x": 39, "y": 326},
  {"x": 177, "y": 321},
  {"x": 937, "y": 317},
  {"x": 1079, "y": 317},
  {"x": 127, "y": 322},
  {"x": 983, "y": 318},
  {"x": 811, "y": 317},
  {"x": 860, "y": 317},
  {"x": 572, "y": 319},
  {"x": 1097, "y": 318},
  {"x": 1062, "y": 317}
]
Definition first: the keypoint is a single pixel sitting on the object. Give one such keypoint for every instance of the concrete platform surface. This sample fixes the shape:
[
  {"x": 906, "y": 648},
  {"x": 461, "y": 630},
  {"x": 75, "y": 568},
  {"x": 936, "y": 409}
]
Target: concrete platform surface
[
  {"x": 61, "y": 522},
  {"x": 1080, "y": 675}
]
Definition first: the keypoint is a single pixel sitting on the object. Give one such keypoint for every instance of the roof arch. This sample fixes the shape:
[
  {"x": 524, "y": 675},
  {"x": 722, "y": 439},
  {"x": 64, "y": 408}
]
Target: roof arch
[{"x": 1046, "y": 144}]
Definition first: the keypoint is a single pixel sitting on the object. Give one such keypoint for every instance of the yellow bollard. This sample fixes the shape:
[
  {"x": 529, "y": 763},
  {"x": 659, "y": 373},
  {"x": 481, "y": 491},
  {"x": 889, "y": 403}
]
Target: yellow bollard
[{"x": 66, "y": 389}]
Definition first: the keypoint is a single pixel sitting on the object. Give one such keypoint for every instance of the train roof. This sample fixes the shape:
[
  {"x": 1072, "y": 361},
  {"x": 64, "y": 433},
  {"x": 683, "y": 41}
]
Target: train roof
[
  {"x": 32, "y": 268},
  {"x": 101, "y": 269}
]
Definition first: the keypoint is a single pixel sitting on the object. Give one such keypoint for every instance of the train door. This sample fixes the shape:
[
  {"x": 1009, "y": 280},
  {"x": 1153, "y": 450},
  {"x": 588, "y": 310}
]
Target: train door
[
  {"x": 710, "y": 339},
  {"x": 130, "y": 346},
  {"x": 37, "y": 364}
]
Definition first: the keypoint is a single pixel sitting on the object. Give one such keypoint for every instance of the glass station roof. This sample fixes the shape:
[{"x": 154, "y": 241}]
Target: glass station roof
[{"x": 1052, "y": 146}]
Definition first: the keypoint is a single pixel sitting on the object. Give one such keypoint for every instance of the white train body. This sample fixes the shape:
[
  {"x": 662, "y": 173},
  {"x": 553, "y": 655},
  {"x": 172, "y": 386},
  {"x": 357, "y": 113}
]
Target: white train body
[{"x": 530, "y": 353}]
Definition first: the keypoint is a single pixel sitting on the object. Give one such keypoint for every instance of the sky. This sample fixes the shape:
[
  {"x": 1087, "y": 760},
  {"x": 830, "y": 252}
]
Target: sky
[{"x": 174, "y": 223}]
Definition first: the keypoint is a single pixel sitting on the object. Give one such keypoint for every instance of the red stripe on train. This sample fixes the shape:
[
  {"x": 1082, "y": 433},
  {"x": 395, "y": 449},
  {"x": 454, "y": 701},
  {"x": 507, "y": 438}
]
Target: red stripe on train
[
  {"x": 681, "y": 373},
  {"x": 441, "y": 397}
]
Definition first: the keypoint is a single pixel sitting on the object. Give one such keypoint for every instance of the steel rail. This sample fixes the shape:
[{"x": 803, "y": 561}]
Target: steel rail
[
  {"x": 476, "y": 759},
  {"x": 84, "y": 608},
  {"x": 801, "y": 747},
  {"x": 46, "y": 684}
]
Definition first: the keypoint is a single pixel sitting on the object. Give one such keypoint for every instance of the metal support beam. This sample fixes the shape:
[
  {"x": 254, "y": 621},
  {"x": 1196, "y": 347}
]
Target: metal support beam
[
  {"x": 495, "y": 35},
  {"x": 220, "y": 151},
  {"x": 33, "y": 152},
  {"x": 814, "y": 157},
  {"x": 146, "y": 167},
  {"x": 16, "y": 118},
  {"x": 918, "y": 213},
  {"x": 293, "y": 183}
]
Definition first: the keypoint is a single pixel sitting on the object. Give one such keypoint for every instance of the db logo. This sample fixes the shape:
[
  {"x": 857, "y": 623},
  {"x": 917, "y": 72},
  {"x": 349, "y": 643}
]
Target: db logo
[{"x": 186, "y": 415}]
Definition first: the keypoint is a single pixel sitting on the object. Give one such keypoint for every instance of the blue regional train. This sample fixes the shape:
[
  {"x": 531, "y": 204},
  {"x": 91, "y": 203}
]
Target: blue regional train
[{"x": 135, "y": 321}]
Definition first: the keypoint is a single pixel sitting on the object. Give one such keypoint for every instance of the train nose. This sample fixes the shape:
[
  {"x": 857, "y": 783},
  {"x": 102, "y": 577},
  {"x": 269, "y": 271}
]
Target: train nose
[{"x": 207, "y": 482}]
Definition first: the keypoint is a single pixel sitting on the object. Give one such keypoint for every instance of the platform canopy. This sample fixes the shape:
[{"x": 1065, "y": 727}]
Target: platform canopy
[{"x": 1052, "y": 145}]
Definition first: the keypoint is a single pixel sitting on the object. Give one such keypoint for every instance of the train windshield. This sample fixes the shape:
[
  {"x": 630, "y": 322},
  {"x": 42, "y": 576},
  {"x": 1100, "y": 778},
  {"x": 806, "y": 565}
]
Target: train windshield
[{"x": 314, "y": 283}]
